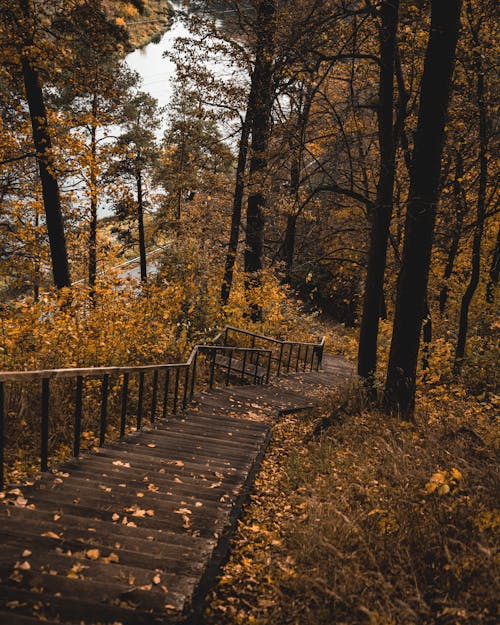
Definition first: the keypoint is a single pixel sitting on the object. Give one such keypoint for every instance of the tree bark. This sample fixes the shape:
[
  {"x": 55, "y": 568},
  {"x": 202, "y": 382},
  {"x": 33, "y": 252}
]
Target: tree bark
[
  {"x": 46, "y": 166},
  {"x": 93, "y": 200},
  {"x": 261, "y": 125},
  {"x": 140, "y": 222},
  {"x": 480, "y": 212},
  {"x": 461, "y": 208},
  {"x": 421, "y": 209},
  {"x": 382, "y": 213},
  {"x": 239, "y": 188}
]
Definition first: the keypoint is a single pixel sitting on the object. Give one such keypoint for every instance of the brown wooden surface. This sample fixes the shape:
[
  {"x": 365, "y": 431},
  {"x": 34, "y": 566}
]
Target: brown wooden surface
[{"x": 134, "y": 533}]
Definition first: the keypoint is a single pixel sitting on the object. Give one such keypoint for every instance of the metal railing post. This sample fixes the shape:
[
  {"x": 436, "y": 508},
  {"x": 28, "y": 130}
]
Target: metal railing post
[
  {"x": 104, "y": 409},
  {"x": 244, "y": 367},
  {"x": 140, "y": 400},
  {"x": 154, "y": 398},
  {"x": 212, "y": 367},
  {"x": 280, "y": 359},
  {"x": 256, "y": 365},
  {"x": 193, "y": 377},
  {"x": 176, "y": 390},
  {"x": 123, "y": 416},
  {"x": 229, "y": 363},
  {"x": 290, "y": 350},
  {"x": 165, "y": 394},
  {"x": 78, "y": 416},
  {"x": 185, "y": 389}
]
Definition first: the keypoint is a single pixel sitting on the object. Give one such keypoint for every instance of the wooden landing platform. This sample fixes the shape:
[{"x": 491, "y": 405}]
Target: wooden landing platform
[{"x": 134, "y": 533}]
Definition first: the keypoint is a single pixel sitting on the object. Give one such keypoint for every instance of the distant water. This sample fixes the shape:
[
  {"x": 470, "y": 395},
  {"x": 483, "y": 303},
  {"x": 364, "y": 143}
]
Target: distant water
[{"x": 156, "y": 71}]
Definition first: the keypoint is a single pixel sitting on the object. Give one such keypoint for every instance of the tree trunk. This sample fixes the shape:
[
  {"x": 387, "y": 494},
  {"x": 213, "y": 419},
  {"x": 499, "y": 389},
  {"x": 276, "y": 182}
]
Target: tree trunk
[
  {"x": 480, "y": 214},
  {"x": 140, "y": 222},
  {"x": 239, "y": 188},
  {"x": 46, "y": 166},
  {"x": 461, "y": 207},
  {"x": 421, "y": 208},
  {"x": 93, "y": 200},
  {"x": 494, "y": 272},
  {"x": 261, "y": 123},
  {"x": 382, "y": 213}
]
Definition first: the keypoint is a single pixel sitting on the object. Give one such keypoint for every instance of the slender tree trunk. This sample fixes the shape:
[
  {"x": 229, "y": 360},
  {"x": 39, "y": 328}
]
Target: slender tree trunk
[
  {"x": 140, "y": 222},
  {"x": 381, "y": 215},
  {"x": 494, "y": 272},
  {"x": 461, "y": 207},
  {"x": 289, "y": 245},
  {"x": 93, "y": 200},
  {"x": 480, "y": 215},
  {"x": 421, "y": 208},
  {"x": 239, "y": 188},
  {"x": 46, "y": 166},
  {"x": 261, "y": 125}
]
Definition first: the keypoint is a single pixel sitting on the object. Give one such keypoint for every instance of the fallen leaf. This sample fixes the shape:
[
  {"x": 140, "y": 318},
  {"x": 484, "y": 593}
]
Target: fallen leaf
[{"x": 92, "y": 554}]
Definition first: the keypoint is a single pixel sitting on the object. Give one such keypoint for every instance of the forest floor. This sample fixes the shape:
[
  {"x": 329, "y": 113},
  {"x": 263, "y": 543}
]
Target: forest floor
[{"x": 362, "y": 518}]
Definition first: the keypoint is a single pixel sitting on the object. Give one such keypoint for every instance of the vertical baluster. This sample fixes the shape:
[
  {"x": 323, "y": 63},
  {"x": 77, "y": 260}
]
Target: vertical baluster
[
  {"x": 2, "y": 439},
  {"x": 243, "y": 368},
  {"x": 313, "y": 351},
  {"x": 320, "y": 358},
  {"x": 123, "y": 416},
  {"x": 78, "y": 416},
  {"x": 104, "y": 409},
  {"x": 140, "y": 400},
  {"x": 165, "y": 394},
  {"x": 280, "y": 359},
  {"x": 298, "y": 357},
  {"x": 225, "y": 336},
  {"x": 154, "y": 399},
  {"x": 176, "y": 390},
  {"x": 252, "y": 354},
  {"x": 185, "y": 389},
  {"x": 305, "y": 358},
  {"x": 256, "y": 368},
  {"x": 212, "y": 367},
  {"x": 44, "y": 433},
  {"x": 290, "y": 350},
  {"x": 229, "y": 363},
  {"x": 193, "y": 376},
  {"x": 268, "y": 373}
]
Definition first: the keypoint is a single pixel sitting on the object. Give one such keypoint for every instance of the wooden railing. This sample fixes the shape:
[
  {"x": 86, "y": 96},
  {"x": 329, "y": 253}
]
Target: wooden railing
[{"x": 160, "y": 389}]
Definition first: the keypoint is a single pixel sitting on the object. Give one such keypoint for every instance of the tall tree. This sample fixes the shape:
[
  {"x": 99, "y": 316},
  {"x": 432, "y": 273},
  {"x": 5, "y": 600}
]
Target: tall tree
[
  {"x": 381, "y": 214},
  {"x": 475, "y": 25},
  {"x": 421, "y": 207},
  {"x": 20, "y": 16},
  {"x": 261, "y": 126}
]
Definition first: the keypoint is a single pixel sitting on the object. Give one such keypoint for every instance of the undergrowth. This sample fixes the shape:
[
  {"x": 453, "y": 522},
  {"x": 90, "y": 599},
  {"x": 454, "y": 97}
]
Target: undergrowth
[{"x": 374, "y": 521}]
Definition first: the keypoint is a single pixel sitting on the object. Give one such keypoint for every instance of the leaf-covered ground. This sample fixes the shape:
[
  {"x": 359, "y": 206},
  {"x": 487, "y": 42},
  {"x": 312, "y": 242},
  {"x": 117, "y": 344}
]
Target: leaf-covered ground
[{"x": 370, "y": 521}]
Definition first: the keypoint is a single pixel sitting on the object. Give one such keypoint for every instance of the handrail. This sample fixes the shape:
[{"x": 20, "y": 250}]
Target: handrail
[
  {"x": 255, "y": 365},
  {"x": 268, "y": 338}
]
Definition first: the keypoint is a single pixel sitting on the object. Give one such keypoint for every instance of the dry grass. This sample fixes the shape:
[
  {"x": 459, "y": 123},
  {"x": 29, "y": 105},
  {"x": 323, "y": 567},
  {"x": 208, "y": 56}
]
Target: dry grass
[{"x": 345, "y": 529}]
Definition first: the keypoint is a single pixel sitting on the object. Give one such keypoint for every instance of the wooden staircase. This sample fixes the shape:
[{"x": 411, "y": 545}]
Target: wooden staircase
[{"x": 135, "y": 531}]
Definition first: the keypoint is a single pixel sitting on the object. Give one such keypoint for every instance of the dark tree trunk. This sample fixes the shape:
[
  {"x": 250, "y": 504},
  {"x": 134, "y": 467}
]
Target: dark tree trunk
[
  {"x": 140, "y": 223},
  {"x": 239, "y": 188},
  {"x": 261, "y": 124},
  {"x": 46, "y": 166},
  {"x": 480, "y": 215},
  {"x": 461, "y": 207},
  {"x": 93, "y": 200},
  {"x": 494, "y": 272},
  {"x": 382, "y": 213},
  {"x": 421, "y": 208},
  {"x": 289, "y": 245}
]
